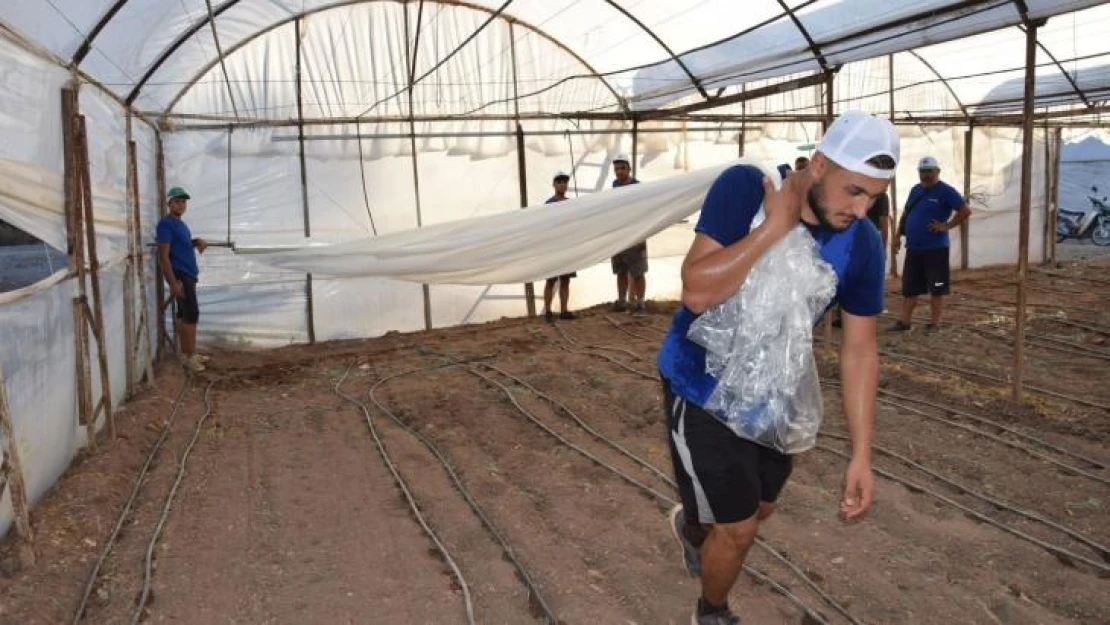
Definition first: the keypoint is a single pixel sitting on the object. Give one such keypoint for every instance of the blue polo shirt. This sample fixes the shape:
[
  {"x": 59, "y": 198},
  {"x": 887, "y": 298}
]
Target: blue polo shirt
[
  {"x": 937, "y": 203},
  {"x": 183, "y": 257},
  {"x": 856, "y": 254}
]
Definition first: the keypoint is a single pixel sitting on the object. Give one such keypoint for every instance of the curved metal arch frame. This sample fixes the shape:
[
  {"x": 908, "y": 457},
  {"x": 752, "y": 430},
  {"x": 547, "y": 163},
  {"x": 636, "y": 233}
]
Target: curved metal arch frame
[
  {"x": 943, "y": 81},
  {"x": 344, "y": 3},
  {"x": 813, "y": 47},
  {"x": 651, "y": 33}
]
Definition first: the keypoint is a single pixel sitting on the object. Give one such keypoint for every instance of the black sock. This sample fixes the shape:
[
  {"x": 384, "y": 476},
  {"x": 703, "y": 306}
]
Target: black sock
[{"x": 704, "y": 607}]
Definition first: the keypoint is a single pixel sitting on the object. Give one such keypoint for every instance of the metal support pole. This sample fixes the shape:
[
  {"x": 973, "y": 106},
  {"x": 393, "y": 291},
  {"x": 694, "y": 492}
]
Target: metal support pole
[
  {"x": 965, "y": 227},
  {"x": 636, "y": 144},
  {"x": 411, "y": 65},
  {"x": 1026, "y": 197},
  {"x": 522, "y": 164},
  {"x": 300, "y": 129},
  {"x": 894, "y": 179}
]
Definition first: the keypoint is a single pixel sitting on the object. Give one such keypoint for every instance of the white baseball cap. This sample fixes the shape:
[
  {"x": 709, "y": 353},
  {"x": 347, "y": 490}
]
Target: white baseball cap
[
  {"x": 856, "y": 137},
  {"x": 622, "y": 157},
  {"x": 928, "y": 163},
  {"x": 560, "y": 174}
]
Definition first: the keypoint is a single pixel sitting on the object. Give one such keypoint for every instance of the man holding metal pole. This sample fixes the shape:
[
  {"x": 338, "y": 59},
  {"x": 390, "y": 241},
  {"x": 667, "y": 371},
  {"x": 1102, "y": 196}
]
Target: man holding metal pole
[{"x": 178, "y": 262}]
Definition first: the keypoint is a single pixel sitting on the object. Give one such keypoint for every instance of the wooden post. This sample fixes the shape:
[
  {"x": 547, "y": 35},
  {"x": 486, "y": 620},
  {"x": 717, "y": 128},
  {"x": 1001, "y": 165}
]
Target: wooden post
[
  {"x": 85, "y": 178},
  {"x": 1057, "y": 140},
  {"x": 1026, "y": 197},
  {"x": 159, "y": 284},
  {"x": 965, "y": 227},
  {"x": 76, "y": 242},
  {"x": 129, "y": 268},
  {"x": 310, "y": 309},
  {"x": 636, "y": 143},
  {"x": 893, "y": 179},
  {"x": 1049, "y": 230},
  {"x": 143, "y": 331},
  {"x": 12, "y": 469}
]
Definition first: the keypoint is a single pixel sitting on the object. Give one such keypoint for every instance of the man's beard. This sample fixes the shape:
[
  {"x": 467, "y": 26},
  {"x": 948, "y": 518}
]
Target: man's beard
[{"x": 820, "y": 210}]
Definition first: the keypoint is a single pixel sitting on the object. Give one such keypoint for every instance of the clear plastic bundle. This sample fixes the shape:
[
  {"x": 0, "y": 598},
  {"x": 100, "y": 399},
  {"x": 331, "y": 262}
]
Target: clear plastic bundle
[{"x": 759, "y": 345}]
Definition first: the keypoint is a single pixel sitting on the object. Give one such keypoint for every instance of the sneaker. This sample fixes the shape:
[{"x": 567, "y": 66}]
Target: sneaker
[
  {"x": 932, "y": 328},
  {"x": 549, "y": 317},
  {"x": 899, "y": 326},
  {"x": 720, "y": 617},
  {"x": 639, "y": 308},
  {"x": 690, "y": 556},
  {"x": 567, "y": 315},
  {"x": 201, "y": 358},
  {"x": 620, "y": 306},
  {"x": 192, "y": 365}
]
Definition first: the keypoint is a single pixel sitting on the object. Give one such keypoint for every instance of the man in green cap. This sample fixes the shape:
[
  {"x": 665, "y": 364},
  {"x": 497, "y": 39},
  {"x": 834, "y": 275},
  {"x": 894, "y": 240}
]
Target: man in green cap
[{"x": 178, "y": 262}]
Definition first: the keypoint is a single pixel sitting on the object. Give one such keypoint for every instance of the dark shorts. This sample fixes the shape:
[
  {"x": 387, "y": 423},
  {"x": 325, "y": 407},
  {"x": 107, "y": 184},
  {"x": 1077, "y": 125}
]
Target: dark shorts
[
  {"x": 188, "y": 309},
  {"x": 925, "y": 271},
  {"x": 565, "y": 277},
  {"x": 721, "y": 476},
  {"x": 633, "y": 261}
]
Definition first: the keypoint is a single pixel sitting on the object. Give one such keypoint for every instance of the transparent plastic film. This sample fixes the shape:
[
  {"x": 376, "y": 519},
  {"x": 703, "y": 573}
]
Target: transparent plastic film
[{"x": 759, "y": 346}]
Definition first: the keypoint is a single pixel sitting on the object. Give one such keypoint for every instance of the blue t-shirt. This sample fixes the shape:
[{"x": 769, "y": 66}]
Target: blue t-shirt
[
  {"x": 937, "y": 203},
  {"x": 553, "y": 199},
  {"x": 183, "y": 258},
  {"x": 856, "y": 254},
  {"x": 618, "y": 183}
]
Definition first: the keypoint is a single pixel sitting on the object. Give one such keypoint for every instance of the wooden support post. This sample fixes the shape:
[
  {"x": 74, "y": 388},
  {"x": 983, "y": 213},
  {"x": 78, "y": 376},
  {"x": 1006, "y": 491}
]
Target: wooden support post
[
  {"x": 893, "y": 179},
  {"x": 1057, "y": 143},
  {"x": 1026, "y": 197},
  {"x": 159, "y": 283},
  {"x": 85, "y": 178},
  {"x": 1048, "y": 231},
  {"x": 142, "y": 335},
  {"x": 129, "y": 269},
  {"x": 965, "y": 227},
  {"x": 76, "y": 241},
  {"x": 12, "y": 469},
  {"x": 310, "y": 311}
]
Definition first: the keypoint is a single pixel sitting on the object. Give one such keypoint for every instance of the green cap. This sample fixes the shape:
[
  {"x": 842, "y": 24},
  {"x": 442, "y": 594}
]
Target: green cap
[{"x": 178, "y": 192}]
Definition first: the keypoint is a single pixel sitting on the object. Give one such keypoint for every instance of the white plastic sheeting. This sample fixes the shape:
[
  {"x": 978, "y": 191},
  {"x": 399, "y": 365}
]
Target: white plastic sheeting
[{"x": 586, "y": 55}]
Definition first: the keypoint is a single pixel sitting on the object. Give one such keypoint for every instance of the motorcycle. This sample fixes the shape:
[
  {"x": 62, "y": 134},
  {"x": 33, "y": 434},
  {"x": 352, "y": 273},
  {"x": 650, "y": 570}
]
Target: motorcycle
[{"x": 1094, "y": 223}]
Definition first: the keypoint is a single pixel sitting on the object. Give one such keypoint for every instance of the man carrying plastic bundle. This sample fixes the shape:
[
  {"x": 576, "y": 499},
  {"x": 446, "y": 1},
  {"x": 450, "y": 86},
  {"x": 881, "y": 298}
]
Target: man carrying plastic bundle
[
  {"x": 729, "y": 484},
  {"x": 631, "y": 265},
  {"x": 925, "y": 223},
  {"x": 560, "y": 183},
  {"x": 178, "y": 262}
]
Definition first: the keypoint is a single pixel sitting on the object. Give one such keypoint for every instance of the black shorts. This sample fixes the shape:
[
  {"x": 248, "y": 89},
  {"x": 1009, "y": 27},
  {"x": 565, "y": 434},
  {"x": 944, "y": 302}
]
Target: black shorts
[
  {"x": 925, "y": 271},
  {"x": 565, "y": 277},
  {"x": 633, "y": 261},
  {"x": 188, "y": 309},
  {"x": 721, "y": 477}
]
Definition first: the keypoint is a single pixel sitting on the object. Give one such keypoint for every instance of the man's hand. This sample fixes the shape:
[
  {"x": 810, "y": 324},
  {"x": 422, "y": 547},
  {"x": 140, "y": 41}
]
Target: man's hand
[
  {"x": 783, "y": 206},
  {"x": 859, "y": 488},
  {"x": 177, "y": 289},
  {"x": 200, "y": 244},
  {"x": 938, "y": 226}
]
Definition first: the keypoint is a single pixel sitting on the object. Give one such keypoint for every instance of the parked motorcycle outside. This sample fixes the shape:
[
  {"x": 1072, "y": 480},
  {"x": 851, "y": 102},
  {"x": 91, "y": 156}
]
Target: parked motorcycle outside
[{"x": 1093, "y": 223}]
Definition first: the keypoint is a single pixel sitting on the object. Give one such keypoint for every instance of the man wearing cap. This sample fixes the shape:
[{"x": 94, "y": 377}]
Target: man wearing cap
[
  {"x": 925, "y": 223},
  {"x": 178, "y": 262},
  {"x": 560, "y": 183},
  {"x": 631, "y": 265},
  {"x": 728, "y": 484}
]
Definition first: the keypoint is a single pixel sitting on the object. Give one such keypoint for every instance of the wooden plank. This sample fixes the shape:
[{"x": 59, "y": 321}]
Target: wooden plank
[
  {"x": 140, "y": 260},
  {"x": 159, "y": 283},
  {"x": 14, "y": 471},
  {"x": 129, "y": 271},
  {"x": 85, "y": 178}
]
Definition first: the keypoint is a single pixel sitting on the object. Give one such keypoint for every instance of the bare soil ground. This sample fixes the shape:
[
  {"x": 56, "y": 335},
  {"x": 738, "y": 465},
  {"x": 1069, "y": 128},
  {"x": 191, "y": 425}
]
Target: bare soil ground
[{"x": 288, "y": 512}]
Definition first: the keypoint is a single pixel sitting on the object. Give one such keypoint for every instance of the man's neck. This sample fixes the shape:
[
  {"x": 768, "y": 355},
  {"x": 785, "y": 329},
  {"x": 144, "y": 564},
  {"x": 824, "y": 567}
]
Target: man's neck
[{"x": 801, "y": 186}]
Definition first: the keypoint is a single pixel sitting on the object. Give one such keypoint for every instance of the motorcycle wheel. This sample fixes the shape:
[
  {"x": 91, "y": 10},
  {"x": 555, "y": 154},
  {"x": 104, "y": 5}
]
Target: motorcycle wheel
[{"x": 1101, "y": 234}]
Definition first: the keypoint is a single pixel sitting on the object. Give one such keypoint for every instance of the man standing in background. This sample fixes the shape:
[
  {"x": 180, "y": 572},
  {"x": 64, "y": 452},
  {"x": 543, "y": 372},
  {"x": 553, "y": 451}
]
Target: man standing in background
[
  {"x": 178, "y": 262},
  {"x": 631, "y": 265},
  {"x": 560, "y": 184}
]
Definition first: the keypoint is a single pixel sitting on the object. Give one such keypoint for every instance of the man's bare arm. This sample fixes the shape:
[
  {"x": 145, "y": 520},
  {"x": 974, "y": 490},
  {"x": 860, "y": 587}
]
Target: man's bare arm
[{"x": 859, "y": 375}]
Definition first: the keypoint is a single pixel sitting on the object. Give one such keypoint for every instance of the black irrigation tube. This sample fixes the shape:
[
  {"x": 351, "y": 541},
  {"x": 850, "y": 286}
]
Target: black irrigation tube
[
  {"x": 594, "y": 352},
  {"x": 1082, "y": 326},
  {"x": 148, "y": 569},
  {"x": 620, "y": 326},
  {"x": 1037, "y": 340},
  {"x": 534, "y": 594},
  {"x": 989, "y": 422},
  {"x": 1056, "y": 274},
  {"x": 942, "y": 368},
  {"x": 669, "y": 501},
  {"x": 759, "y": 541},
  {"x": 400, "y": 481},
  {"x": 1099, "y": 549},
  {"x": 1062, "y": 555},
  {"x": 140, "y": 478}
]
